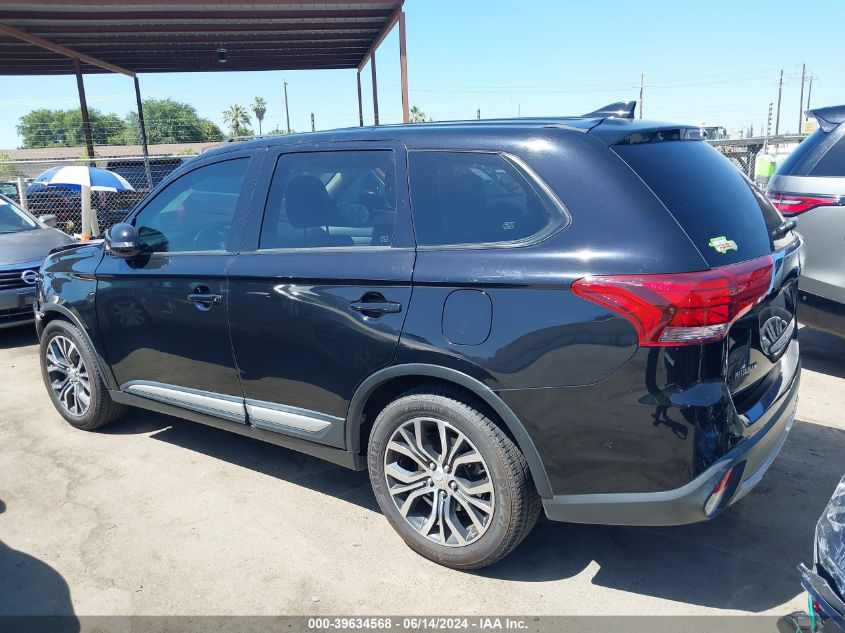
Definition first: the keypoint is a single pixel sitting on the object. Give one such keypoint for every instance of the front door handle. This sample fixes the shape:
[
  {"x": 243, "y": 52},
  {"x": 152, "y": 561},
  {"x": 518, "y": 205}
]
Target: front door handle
[
  {"x": 373, "y": 305},
  {"x": 204, "y": 300}
]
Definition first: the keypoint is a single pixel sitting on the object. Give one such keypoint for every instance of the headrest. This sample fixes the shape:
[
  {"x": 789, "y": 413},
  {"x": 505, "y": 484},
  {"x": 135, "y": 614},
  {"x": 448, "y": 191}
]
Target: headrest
[{"x": 307, "y": 203}]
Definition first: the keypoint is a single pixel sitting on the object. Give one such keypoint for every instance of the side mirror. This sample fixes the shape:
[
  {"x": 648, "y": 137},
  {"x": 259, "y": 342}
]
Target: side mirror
[
  {"x": 49, "y": 220},
  {"x": 122, "y": 241}
]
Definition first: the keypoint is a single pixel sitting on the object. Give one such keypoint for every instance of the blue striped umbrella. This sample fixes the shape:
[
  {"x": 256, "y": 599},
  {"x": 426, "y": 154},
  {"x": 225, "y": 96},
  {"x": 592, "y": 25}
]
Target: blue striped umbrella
[{"x": 77, "y": 176}]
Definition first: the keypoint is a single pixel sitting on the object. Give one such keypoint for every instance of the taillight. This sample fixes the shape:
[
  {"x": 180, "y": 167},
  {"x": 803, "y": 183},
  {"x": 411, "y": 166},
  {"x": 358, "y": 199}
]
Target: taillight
[
  {"x": 682, "y": 308},
  {"x": 790, "y": 204}
]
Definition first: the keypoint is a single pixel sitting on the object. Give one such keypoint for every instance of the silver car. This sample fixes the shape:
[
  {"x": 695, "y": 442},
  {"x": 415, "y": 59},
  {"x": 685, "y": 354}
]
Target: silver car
[{"x": 809, "y": 187}]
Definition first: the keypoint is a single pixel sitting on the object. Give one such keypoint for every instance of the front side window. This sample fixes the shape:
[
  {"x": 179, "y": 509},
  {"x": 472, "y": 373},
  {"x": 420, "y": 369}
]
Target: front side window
[
  {"x": 472, "y": 198},
  {"x": 13, "y": 219},
  {"x": 336, "y": 199},
  {"x": 194, "y": 212}
]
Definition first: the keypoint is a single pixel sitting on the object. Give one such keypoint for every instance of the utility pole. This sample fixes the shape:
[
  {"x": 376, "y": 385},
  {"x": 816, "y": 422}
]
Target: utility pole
[
  {"x": 801, "y": 101},
  {"x": 642, "y": 79},
  {"x": 809, "y": 91},
  {"x": 777, "y": 117},
  {"x": 312, "y": 121},
  {"x": 287, "y": 114},
  {"x": 478, "y": 114},
  {"x": 768, "y": 129}
]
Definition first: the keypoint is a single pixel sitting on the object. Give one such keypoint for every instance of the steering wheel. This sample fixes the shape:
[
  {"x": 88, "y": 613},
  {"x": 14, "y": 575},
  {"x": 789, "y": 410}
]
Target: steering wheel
[{"x": 212, "y": 238}]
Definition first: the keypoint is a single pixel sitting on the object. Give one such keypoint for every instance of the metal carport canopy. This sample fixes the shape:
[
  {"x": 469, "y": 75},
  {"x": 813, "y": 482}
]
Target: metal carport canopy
[{"x": 184, "y": 36}]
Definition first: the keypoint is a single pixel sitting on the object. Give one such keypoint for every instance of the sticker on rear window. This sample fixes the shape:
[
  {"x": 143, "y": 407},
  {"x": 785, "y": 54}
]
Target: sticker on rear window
[{"x": 722, "y": 244}]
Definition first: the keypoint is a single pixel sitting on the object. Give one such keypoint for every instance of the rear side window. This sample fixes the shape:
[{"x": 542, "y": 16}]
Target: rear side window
[
  {"x": 833, "y": 162},
  {"x": 820, "y": 154},
  {"x": 472, "y": 198},
  {"x": 724, "y": 216},
  {"x": 331, "y": 200}
]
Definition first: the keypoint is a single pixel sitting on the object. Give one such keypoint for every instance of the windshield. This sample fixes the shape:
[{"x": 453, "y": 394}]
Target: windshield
[{"x": 14, "y": 219}]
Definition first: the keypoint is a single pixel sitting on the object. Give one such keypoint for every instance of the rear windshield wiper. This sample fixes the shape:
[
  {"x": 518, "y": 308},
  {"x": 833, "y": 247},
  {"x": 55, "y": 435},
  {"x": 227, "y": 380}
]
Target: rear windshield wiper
[{"x": 782, "y": 229}]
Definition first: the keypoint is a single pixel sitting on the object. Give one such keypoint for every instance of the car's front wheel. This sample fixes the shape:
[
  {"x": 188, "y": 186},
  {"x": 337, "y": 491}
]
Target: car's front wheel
[
  {"x": 450, "y": 480},
  {"x": 73, "y": 379}
]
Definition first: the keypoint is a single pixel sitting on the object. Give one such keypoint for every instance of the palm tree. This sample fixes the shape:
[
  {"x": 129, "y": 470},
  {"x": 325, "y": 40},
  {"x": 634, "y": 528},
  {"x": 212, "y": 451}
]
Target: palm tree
[
  {"x": 259, "y": 108},
  {"x": 417, "y": 115},
  {"x": 236, "y": 118}
]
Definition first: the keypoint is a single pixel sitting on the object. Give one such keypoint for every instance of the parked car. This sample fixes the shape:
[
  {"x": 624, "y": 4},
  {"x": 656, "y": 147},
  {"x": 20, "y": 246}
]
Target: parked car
[
  {"x": 592, "y": 316},
  {"x": 9, "y": 189},
  {"x": 809, "y": 188},
  {"x": 825, "y": 582},
  {"x": 24, "y": 242},
  {"x": 63, "y": 202}
]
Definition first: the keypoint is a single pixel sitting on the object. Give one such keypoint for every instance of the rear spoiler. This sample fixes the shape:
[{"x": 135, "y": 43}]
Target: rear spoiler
[
  {"x": 618, "y": 110},
  {"x": 829, "y": 117}
]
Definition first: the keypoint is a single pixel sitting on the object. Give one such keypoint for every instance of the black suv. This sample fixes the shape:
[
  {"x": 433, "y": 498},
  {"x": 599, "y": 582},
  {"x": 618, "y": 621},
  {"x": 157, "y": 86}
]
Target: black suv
[{"x": 592, "y": 315}]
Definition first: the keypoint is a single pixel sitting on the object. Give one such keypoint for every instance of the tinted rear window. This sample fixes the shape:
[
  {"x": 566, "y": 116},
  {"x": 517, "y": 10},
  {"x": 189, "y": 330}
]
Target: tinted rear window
[{"x": 724, "y": 216}]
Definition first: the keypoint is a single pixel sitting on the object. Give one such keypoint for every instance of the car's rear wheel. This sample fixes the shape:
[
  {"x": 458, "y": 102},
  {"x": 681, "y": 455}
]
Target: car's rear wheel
[
  {"x": 450, "y": 480},
  {"x": 73, "y": 379}
]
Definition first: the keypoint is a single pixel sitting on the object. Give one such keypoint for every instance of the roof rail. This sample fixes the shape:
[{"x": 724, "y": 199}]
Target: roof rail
[{"x": 618, "y": 110}]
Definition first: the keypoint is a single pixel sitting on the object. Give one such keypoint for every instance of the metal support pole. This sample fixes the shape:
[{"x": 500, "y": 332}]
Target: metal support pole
[
  {"x": 142, "y": 128},
  {"x": 360, "y": 104},
  {"x": 312, "y": 121},
  {"x": 403, "y": 69},
  {"x": 375, "y": 87},
  {"x": 83, "y": 106},
  {"x": 22, "y": 193}
]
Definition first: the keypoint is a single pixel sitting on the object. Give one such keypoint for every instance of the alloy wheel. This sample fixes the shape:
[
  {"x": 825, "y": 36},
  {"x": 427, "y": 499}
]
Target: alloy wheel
[
  {"x": 68, "y": 375},
  {"x": 439, "y": 482}
]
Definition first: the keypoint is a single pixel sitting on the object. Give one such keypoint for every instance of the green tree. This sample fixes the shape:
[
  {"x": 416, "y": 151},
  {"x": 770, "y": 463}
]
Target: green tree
[
  {"x": 280, "y": 130},
  {"x": 171, "y": 121},
  {"x": 237, "y": 119},
  {"x": 417, "y": 115},
  {"x": 63, "y": 128},
  {"x": 259, "y": 109},
  {"x": 7, "y": 170}
]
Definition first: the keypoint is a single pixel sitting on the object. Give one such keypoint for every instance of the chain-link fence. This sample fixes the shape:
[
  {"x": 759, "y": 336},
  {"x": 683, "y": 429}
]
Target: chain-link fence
[
  {"x": 65, "y": 203},
  {"x": 51, "y": 138}
]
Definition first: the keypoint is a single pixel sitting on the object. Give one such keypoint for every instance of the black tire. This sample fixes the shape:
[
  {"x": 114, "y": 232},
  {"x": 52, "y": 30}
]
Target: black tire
[
  {"x": 101, "y": 409},
  {"x": 516, "y": 504}
]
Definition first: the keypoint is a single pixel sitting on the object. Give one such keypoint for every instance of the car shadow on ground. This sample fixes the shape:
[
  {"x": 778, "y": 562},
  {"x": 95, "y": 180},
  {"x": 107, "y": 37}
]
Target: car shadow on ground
[
  {"x": 246, "y": 452},
  {"x": 32, "y": 590},
  {"x": 822, "y": 352},
  {"x": 744, "y": 560},
  {"x": 22, "y": 336}
]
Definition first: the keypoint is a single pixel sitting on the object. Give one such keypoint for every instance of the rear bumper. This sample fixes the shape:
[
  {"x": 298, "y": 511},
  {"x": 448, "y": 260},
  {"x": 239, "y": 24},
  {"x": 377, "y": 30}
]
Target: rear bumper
[
  {"x": 750, "y": 460},
  {"x": 821, "y": 313}
]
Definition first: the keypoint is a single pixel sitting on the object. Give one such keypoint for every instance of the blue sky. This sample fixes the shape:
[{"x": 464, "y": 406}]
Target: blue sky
[{"x": 713, "y": 63}]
